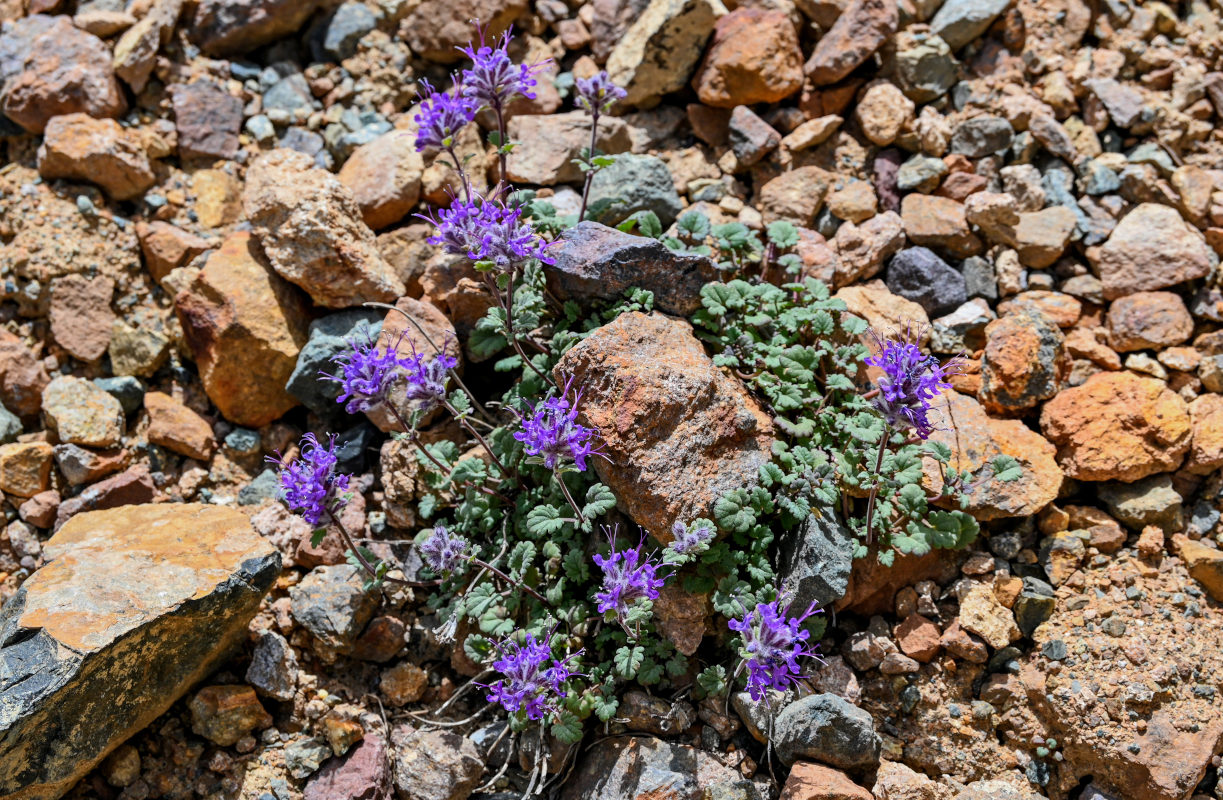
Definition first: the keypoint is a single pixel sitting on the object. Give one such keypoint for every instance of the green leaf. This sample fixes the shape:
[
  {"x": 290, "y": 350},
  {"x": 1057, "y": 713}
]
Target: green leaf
[
  {"x": 599, "y": 501},
  {"x": 693, "y": 225},
  {"x": 783, "y": 234},
  {"x": 544, "y": 520},
  {"x": 649, "y": 673},
  {"x": 952, "y": 529},
  {"x": 1006, "y": 469},
  {"x": 733, "y": 512},
  {"x": 605, "y": 705},
  {"x": 567, "y": 728},
  {"x": 628, "y": 660},
  {"x": 318, "y": 535},
  {"x": 712, "y": 680}
]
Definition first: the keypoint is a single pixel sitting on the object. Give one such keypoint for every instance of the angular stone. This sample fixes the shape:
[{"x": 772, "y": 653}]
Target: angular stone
[
  {"x": 224, "y": 714},
  {"x": 224, "y": 27},
  {"x": 384, "y": 177},
  {"x": 595, "y": 262},
  {"x": 636, "y": 184},
  {"x": 815, "y": 782},
  {"x": 884, "y": 311},
  {"x": 751, "y": 138},
  {"x": 176, "y": 427},
  {"x": 330, "y": 337},
  {"x": 815, "y": 560},
  {"x": 1206, "y": 450},
  {"x": 658, "y": 52},
  {"x": 1042, "y": 236},
  {"x": 311, "y": 231},
  {"x": 208, "y": 120},
  {"x": 982, "y": 136},
  {"x": 135, "y": 53},
  {"x": 883, "y": 111},
  {"x": 1123, "y": 103},
  {"x": 434, "y": 765},
  {"x": 826, "y": 728},
  {"x": 1024, "y": 360},
  {"x": 364, "y": 773},
  {"x": 273, "y": 668},
  {"x": 25, "y": 468},
  {"x": 1205, "y": 564},
  {"x": 240, "y": 319},
  {"x": 22, "y": 376},
  {"x": 918, "y": 638},
  {"x": 1148, "y": 320},
  {"x": 753, "y": 58},
  {"x": 167, "y": 247},
  {"x": 958, "y": 22},
  {"x": 437, "y": 28},
  {"x": 1152, "y": 247},
  {"x": 78, "y": 147},
  {"x": 863, "y": 249},
  {"x": 86, "y": 647},
  {"x": 644, "y": 767},
  {"x": 859, "y": 31},
  {"x": 919, "y": 275},
  {"x": 796, "y": 195},
  {"x": 982, "y": 614},
  {"x": 332, "y": 604},
  {"x": 81, "y": 317},
  {"x": 79, "y": 465},
  {"x": 132, "y": 487},
  {"x": 545, "y": 146},
  {"x": 679, "y": 432},
  {"x": 78, "y": 412},
  {"x": 1148, "y": 501},
  {"x": 938, "y": 222}
]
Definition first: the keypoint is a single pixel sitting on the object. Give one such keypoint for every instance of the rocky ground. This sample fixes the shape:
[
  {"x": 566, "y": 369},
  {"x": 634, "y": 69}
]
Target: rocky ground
[{"x": 197, "y": 198}]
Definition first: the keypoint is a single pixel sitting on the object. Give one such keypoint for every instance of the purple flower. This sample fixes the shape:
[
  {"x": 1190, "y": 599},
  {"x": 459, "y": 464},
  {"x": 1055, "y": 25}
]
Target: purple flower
[
  {"x": 366, "y": 374},
  {"x": 910, "y": 381},
  {"x": 486, "y": 230},
  {"x": 494, "y": 79},
  {"x": 442, "y": 115},
  {"x": 442, "y": 552},
  {"x": 772, "y": 645},
  {"x": 686, "y": 542},
  {"x": 597, "y": 94},
  {"x": 552, "y": 431},
  {"x": 310, "y": 485},
  {"x": 426, "y": 377},
  {"x": 629, "y": 577},
  {"x": 532, "y": 680}
]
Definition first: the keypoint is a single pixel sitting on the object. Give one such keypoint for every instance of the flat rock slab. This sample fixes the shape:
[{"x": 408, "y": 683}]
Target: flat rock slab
[{"x": 135, "y": 605}]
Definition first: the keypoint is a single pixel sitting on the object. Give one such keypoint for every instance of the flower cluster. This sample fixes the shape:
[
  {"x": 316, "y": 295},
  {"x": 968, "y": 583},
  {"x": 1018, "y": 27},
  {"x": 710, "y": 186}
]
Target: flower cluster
[
  {"x": 772, "y": 644},
  {"x": 484, "y": 229},
  {"x": 310, "y": 485},
  {"x": 629, "y": 577},
  {"x": 441, "y": 116},
  {"x": 493, "y": 78},
  {"x": 443, "y": 551},
  {"x": 597, "y": 94},
  {"x": 366, "y": 374},
  {"x": 532, "y": 680},
  {"x": 690, "y": 539},
  {"x": 910, "y": 381},
  {"x": 426, "y": 377},
  {"x": 552, "y": 432}
]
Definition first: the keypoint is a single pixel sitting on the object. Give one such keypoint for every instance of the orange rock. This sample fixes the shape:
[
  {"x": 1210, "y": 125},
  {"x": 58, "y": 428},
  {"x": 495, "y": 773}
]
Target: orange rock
[
  {"x": 1117, "y": 426},
  {"x": 167, "y": 246},
  {"x": 25, "y": 467},
  {"x": 1063, "y": 309},
  {"x": 938, "y": 223},
  {"x": 884, "y": 311},
  {"x": 872, "y": 586},
  {"x": 384, "y": 177},
  {"x": 1148, "y": 320},
  {"x": 224, "y": 714},
  {"x": 918, "y": 638},
  {"x": 176, "y": 427},
  {"x": 22, "y": 376},
  {"x": 752, "y": 58},
  {"x": 1024, "y": 360},
  {"x": 816, "y": 782},
  {"x": 1205, "y": 564},
  {"x": 80, "y": 148},
  {"x": 1206, "y": 450}
]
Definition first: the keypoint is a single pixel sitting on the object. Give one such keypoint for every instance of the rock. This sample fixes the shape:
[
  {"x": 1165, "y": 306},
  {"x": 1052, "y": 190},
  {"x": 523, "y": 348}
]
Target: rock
[
  {"x": 273, "y": 669},
  {"x": 218, "y": 197},
  {"x": 434, "y": 765},
  {"x": 1148, "y": 501},
  {"x": 79, "y": 466},
  {"x": 796, "y": 195},
  {"x": 88, "y": 647},
  {"x": 78, "y": 147},
  {"x": 975, "y": 439},
  {"x": 436, "y": 28},
  {"x": 1151, "y": 248},
  {"x": 635, "y": 184},
  {"x": 854, "y": 202},
  {"x": 310, "y": 229},
  {"x": 22, "y": 377},
  {"x": 1123, "y": 103},
  {"x": 644, "y": 767},
  {"x": 815, "y": 560},
  {"x": 135, "y": 53},
  {"x": 826, "y": 728},
  {"x": 919, "y": 275},
  {"x": 1206, "y": 449},
  {"x": 1148, "y": 320},
  {"x": 859, "y": 31},
  {"x": 669, "y": 456},
  {"x": 1042, "y": 236},
  {"x": 384, "y": 175},
  {"x": 133, "y": 487},
  {"x": 137, "y": 350},
  {"x": 10, "y": 426},
  {"x": 40, "y": 509},
  {"x": 642, "y": 712},
  {"x": 224, "y": 714},
  {"x": 963, "y": 330},
  {"x": 751, "y": 138},
  {"x": 1117, "y": 426},
  {"x": 330, "y": 338},
  {"x": 863, "y": 249},
  {"x": 883, "y": 111},
  {"x": 982, "y": 136},
  {"x": 811, "y": 133},
  {"x": 25, "y": 468},
  {"x": 982, "y": 614},
  {"x": 595, "y": 262},
  {"x": 958, "y": 22},
  {"x": 683, "y": 618},
  {"x": 920, "y": 174},
  {"x": 1024, "y": 360},
  {"x": 208, "y": 120},
  {"x": 815, "y": 782},
  {"x": 1061, "y": 309},
  {"x": 331, "y": 603},
  {"x": 344, "y": 30},
  {"x": 241, "y": 319},
  {"x": 1205, "y": 564},
  {"x": 925, "y": 68},
  {"x": 882, "y": 310},
  {"x": 753, "y": 58},
  {"x": 995, "y": 790},
  {"x": 78, "y": 412},
  {"x": 918, "y": 637},
  {"x": 176, "y": 427},
  {"x": 1032, "y": 609},
  {"x": 81, "y": 318},
  {"x": 895, "y": 781},
  {"x": 938, "y": 222},
  {"x": 660, "y": 49},
  {"x": 167, "y": 247},
  {"x": 224, "y": 27},
  {"x": 364, "y": 773},
  {"x": 545, "y": 146},
  {"x": 56, "y": 69},
  {"x": 995, "y": 214},
  {"x": 404, "y": 683}
]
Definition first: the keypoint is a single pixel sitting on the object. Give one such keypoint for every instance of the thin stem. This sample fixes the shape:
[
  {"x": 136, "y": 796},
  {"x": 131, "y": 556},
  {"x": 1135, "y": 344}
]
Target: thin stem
[
  {"x": 509, "y": 327},
  {"x": 467, "y": 426},
  {"x": 479, "y": 562},
  {"x": 461, "y": 172},
  {"x": 362, "y": 560},
  {"x": 590, "y": 154},
  {"x": 569, "y": 497},
  {"x": 410, "y": 430},
  {"x": 870, "y": 502},
  {"x": 502, "y": 153}
]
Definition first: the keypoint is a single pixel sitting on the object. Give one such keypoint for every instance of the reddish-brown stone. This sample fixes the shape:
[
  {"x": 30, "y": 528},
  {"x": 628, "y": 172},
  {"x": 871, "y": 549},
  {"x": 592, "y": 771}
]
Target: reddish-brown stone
[{"x": 752, "y": 58}]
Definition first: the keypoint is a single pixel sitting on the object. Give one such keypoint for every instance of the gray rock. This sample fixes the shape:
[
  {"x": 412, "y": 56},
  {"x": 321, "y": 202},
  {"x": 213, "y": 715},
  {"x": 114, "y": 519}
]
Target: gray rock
[
  {"x": 961, "y": 21},
  {"x": 980, "y": 280},
  {"x": 919, "y": 275},
  {"x": 304, "y": 756},
  {"x": 265, "y": 486},
  {"x": 815, "y": 560},
  {"x": 332, "y": 604},
  {"x": 756, "y": 715},
  {"x": 1031, "y": 609},
  {"x": 10, "y": 426},
  {"x": 920, "y": 174},
  {"x": 347, "y": 25},
  {"x": 1123, "y": 103},
  {"x": 595, "y": 262},
  {"x": 129, "y": 391},
  {"x": 244, "y": 442},
  {"x": 828, "y": 729},
  {"x": 273, "y": 669},
  {"x": 309, "y": 143},
  {"x": 1093, "y": 792},
  {"x": 1097, "y": 179},
  {"x": 434, "y": 765},
  {"x": 637, "y": 183},
  {"x": 260, "y": 127},
  {"x": 640, "y": 767},
  {"x": 329, "y": 338},
  {"x": 1203, "y": 518},
  {"x": 963, "y": 330},
  {"x": 751, "y": 138},
  {"x": 80, "y": 465},
  {"x": 288, "y": 99},
  {"x": 927, "y": 70},
  {"x": 982, "y": 136},
  {"x": 995, "y": 790},
  {"x": 1150, "y": 501}
]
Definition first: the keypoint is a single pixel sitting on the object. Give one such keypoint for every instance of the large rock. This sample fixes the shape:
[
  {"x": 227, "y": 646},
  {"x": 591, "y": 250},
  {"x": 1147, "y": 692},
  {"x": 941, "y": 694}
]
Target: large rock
[
  {"x": 224, "y": 27},
  {"x": 636, "y": 183},
  {"x": 80, "y": 148},
  {"x": 658, "y": 52},
  {"x": 859, "y": 31},
  {"x": 241, "y": 320},
  {"x": 135, "y": 53},
  {"x": 958, "y": 22},
  {"x": 545, "y": 145},
  {"x": 595, "y": 262},
  {"x": 828, "y": 729},
  {"x": 78, "y": 412},
  {"x": 1148, "y": 320},
  {"x": 640, "y": 767},
  {"x": 89, "y": 656},
  {"x": 1151, "y": 247},
  {"x": 815, "y": 560},
  {"x": 1117, "y": 426},
  {"x": 384, "y": 177},
  {"x": 311, "y": 230},
  {"x": 679, "y": 432},
  {"x": 81, "y": 317},
  {"x": 753, "y": 58},
  {"x": 1024, "y": 360},
  {"x": 22, "y": 376},
  {"x": 437, "y": 28},
  {"x": 49, "y": 67},
  {"x": 919, "y": 275}
]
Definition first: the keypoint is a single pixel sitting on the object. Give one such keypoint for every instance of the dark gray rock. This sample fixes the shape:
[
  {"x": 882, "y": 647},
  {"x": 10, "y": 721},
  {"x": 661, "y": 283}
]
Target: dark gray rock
[
  {"x": 961, "y": 21},
  {"x": 244, "y": 442},
  {"x": 1097, "y": 179},
  {"x": 636, "y": 183},
  {"x": 595, "y": 262},
  {"x": 815, "y": 560},
  {"x": 347, "y": 25},
  {"x": 980, "y": 280},
  {"x": 129, "y": 391},
  {"x": 828, "y": 729},
  {"x": 332, "y": 604},
  {"x": 982, "y": 136},
  {"x": 273, "y": 669},
  {"x": 921, "y": 173},
  {"x": 919, "y": 275},
  {"x": 1150, "y": 501},
  {"x": 1203, "y": 518},
  {"x": 81, "y": 465},
  {"x": 1031, "y": 609},
  {"x": 329, "y": 338},
  {"x": 751, "y": 138},
  {"x": 641, "y": 767}
]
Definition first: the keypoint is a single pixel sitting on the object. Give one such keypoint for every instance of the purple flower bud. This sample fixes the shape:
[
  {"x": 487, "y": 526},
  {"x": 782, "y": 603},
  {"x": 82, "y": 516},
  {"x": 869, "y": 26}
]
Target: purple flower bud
[
  {"x": 910, "y": 381},
  {"x": 494, "y": 79},
  {"x": 310, "y": 485},
  {"x": 486, "y": 230},
  {"x": 772, "y": 644},
  {"x": 597, "y": 94},
  {"x": 426, "y": 377},
  {"x": 629, "y": 577},
  {"x": 686, "y": 541},
  {"x": 442, "y": 115},
  {"x": 366, "y": 375},
  {"x": 443, "y": 551},
  {"x": 532, "y": 680},
  {"x": 552, "y": 431}
]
